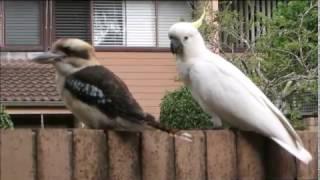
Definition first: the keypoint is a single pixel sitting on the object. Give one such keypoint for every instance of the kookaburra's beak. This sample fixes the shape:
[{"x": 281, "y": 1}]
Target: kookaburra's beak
[{"x": 47, "y": 57}]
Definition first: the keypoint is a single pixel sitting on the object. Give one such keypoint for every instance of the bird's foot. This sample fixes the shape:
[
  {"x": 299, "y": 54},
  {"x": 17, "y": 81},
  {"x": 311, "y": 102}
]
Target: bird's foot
[{"x": 184, "y": 136}]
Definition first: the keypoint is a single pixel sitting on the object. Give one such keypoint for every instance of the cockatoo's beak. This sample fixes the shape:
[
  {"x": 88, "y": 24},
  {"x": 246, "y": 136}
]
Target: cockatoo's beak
[
  {"x": 175, "y": 46},
  {"x": 198, "y": 22}
]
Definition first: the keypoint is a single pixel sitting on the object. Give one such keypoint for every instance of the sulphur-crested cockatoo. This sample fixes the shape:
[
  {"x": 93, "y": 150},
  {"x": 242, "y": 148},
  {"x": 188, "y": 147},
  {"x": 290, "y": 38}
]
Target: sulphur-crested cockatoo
[{"x": 224, "y": 92}]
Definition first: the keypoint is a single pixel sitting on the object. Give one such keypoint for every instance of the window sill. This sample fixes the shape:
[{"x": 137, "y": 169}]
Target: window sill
[
  {"x": 132, "y": 49},
  {"x": 21, "y": 48}
]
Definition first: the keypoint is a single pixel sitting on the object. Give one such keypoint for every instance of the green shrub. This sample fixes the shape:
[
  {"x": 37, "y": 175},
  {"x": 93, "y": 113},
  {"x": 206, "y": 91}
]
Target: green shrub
[
  {"x": 180, "y": 110},
  {"x": 5, "y": 120}
]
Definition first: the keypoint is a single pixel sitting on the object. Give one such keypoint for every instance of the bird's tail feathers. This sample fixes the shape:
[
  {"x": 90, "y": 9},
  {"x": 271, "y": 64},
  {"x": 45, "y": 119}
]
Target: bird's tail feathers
[
  {"x": 151, "y": 121},
  {"x": 298, "y": 151},
  {"x": 284, "y": 121},
  {"x": 296, "y": 148}
]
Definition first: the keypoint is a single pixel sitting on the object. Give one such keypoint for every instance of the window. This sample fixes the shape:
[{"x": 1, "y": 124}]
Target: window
[
  {"x": 22, "y": 23},
  {"x": 108, "y": 23},
  {"x": 124, "y": 23},
  {"x": 136, "y": 23},
  {"x": 72, "y": 19},
  {"x": 140, "y": 26},
  {"x": 170, "y": 12},
  {"x": 1, "y": 23},
  {"x": 34, "y": 24}
]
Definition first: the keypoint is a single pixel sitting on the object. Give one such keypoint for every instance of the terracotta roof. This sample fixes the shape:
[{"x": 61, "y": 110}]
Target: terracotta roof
[{"x": 23, "y": 81}]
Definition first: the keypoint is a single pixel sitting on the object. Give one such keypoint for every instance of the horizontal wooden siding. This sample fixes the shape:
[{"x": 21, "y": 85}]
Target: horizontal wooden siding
[{"x": 149, "y": 75}]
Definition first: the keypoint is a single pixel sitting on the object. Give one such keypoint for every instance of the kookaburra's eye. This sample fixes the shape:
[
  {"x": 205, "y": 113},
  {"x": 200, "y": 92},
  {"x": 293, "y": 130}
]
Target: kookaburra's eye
[{"x": 186, "y": 38}]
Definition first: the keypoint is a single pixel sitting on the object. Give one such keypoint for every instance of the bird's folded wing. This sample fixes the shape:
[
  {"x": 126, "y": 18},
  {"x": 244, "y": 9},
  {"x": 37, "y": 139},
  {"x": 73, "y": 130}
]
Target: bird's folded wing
[
  {"x": 259, "y": 95},
  {"x": 99, "y": 87},
  {"x": 235, "y": 90}
]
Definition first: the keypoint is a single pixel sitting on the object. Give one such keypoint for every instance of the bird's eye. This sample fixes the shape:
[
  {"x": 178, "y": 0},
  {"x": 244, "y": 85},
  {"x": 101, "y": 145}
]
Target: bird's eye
[{"x": 186, "y": 38}]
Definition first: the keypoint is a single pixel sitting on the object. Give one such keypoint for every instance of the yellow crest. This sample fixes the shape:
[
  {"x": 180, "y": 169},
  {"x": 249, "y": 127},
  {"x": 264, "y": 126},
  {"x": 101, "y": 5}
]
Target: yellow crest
[{"x": 198, "y": 22}]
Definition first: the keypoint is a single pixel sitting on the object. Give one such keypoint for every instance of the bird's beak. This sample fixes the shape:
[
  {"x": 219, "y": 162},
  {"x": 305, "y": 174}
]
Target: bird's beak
[
  {"x": 47, "y": 57},
  {"x": 176, "y": 46}
]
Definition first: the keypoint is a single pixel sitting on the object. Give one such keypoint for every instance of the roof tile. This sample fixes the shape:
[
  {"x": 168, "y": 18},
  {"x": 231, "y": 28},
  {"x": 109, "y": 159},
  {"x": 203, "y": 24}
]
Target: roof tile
[{"x": 22, "y": 80}]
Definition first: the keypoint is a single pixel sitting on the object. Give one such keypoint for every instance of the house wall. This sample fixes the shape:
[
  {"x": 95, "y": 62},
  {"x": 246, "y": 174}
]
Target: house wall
[{"x": 149, "y": 75}]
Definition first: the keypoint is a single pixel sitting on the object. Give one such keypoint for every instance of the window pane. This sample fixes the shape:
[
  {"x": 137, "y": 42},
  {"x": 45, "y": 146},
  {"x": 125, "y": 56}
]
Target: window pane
[
  {"x": 1, "y": 22},
  {"x": 72, "y": 19},
  {"x": 108, "y": 23},
  {"x": 22, "y": 19},
  {"x": 170, "y": 12},
  {"x": 141, "y": 23},
  {"x": 124, "y": 23}
]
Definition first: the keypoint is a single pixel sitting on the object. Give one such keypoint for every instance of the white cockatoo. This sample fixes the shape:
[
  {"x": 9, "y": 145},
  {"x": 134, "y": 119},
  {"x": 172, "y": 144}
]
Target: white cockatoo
[{"x": 224, "y": 92}]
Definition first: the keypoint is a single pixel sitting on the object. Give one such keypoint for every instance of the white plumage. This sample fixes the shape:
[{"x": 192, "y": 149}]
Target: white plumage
[{"x": 224, "y": 92}]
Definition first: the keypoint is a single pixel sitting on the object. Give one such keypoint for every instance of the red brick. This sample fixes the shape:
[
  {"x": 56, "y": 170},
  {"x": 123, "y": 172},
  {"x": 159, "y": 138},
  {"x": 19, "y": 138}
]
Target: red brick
[
  {"x": 124, "y": 160},
  {"x": 221, "y": 155},
  {"x": 17, "y": 155},
  {"x": 90, "y": 155},
  {"x": 54, "y": 155},
  {"x": 190, "y": 157},
  {"x": 157, "y": 156}
]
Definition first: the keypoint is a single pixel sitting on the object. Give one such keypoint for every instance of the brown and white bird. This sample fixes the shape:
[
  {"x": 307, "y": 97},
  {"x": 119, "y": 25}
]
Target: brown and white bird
[{"x": 94, "y": 94}]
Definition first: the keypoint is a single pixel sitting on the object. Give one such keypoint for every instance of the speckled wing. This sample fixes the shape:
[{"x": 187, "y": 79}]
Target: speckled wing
[{"x": 99, "y": 87}]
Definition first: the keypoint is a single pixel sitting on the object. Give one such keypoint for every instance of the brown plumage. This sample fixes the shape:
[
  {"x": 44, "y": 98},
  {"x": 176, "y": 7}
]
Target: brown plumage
[{"x": 94, "y": 94}]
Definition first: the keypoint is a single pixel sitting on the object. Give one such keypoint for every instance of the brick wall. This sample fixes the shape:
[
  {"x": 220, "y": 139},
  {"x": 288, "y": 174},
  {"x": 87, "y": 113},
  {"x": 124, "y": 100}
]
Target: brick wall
[{"x": 95, "y": 155}]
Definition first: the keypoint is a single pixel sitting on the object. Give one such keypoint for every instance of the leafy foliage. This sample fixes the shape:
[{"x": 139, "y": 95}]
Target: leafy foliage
[
  {"x": 289, "y": 49},
  {"x": 180, "y": 110},
  {"x": 5, "y": 120}
]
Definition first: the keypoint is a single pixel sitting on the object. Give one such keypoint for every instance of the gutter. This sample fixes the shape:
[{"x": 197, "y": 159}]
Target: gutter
[{"x": 33, "y": 103}]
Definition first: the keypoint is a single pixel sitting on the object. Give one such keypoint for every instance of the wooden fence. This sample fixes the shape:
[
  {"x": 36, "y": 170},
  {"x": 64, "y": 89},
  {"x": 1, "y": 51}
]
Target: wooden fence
[{"x": 60, "y": 154}]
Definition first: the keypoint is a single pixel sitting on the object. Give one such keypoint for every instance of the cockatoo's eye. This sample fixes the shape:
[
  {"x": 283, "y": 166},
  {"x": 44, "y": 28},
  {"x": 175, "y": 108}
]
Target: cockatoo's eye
[{"x": 186, "y": 38}]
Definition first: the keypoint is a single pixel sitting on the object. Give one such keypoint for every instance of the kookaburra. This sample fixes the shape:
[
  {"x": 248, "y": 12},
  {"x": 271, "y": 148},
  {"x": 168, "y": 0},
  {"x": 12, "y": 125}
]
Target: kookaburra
[{"x": 94, "y": 94}]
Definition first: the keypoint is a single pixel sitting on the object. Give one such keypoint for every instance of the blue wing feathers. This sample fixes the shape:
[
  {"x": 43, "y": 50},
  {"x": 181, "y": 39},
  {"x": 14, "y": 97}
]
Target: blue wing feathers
[{"x": 86, "y": 91}]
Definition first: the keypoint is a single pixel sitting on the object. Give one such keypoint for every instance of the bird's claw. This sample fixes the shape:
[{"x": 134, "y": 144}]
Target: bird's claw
[{"x": 184, "y": 136}]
